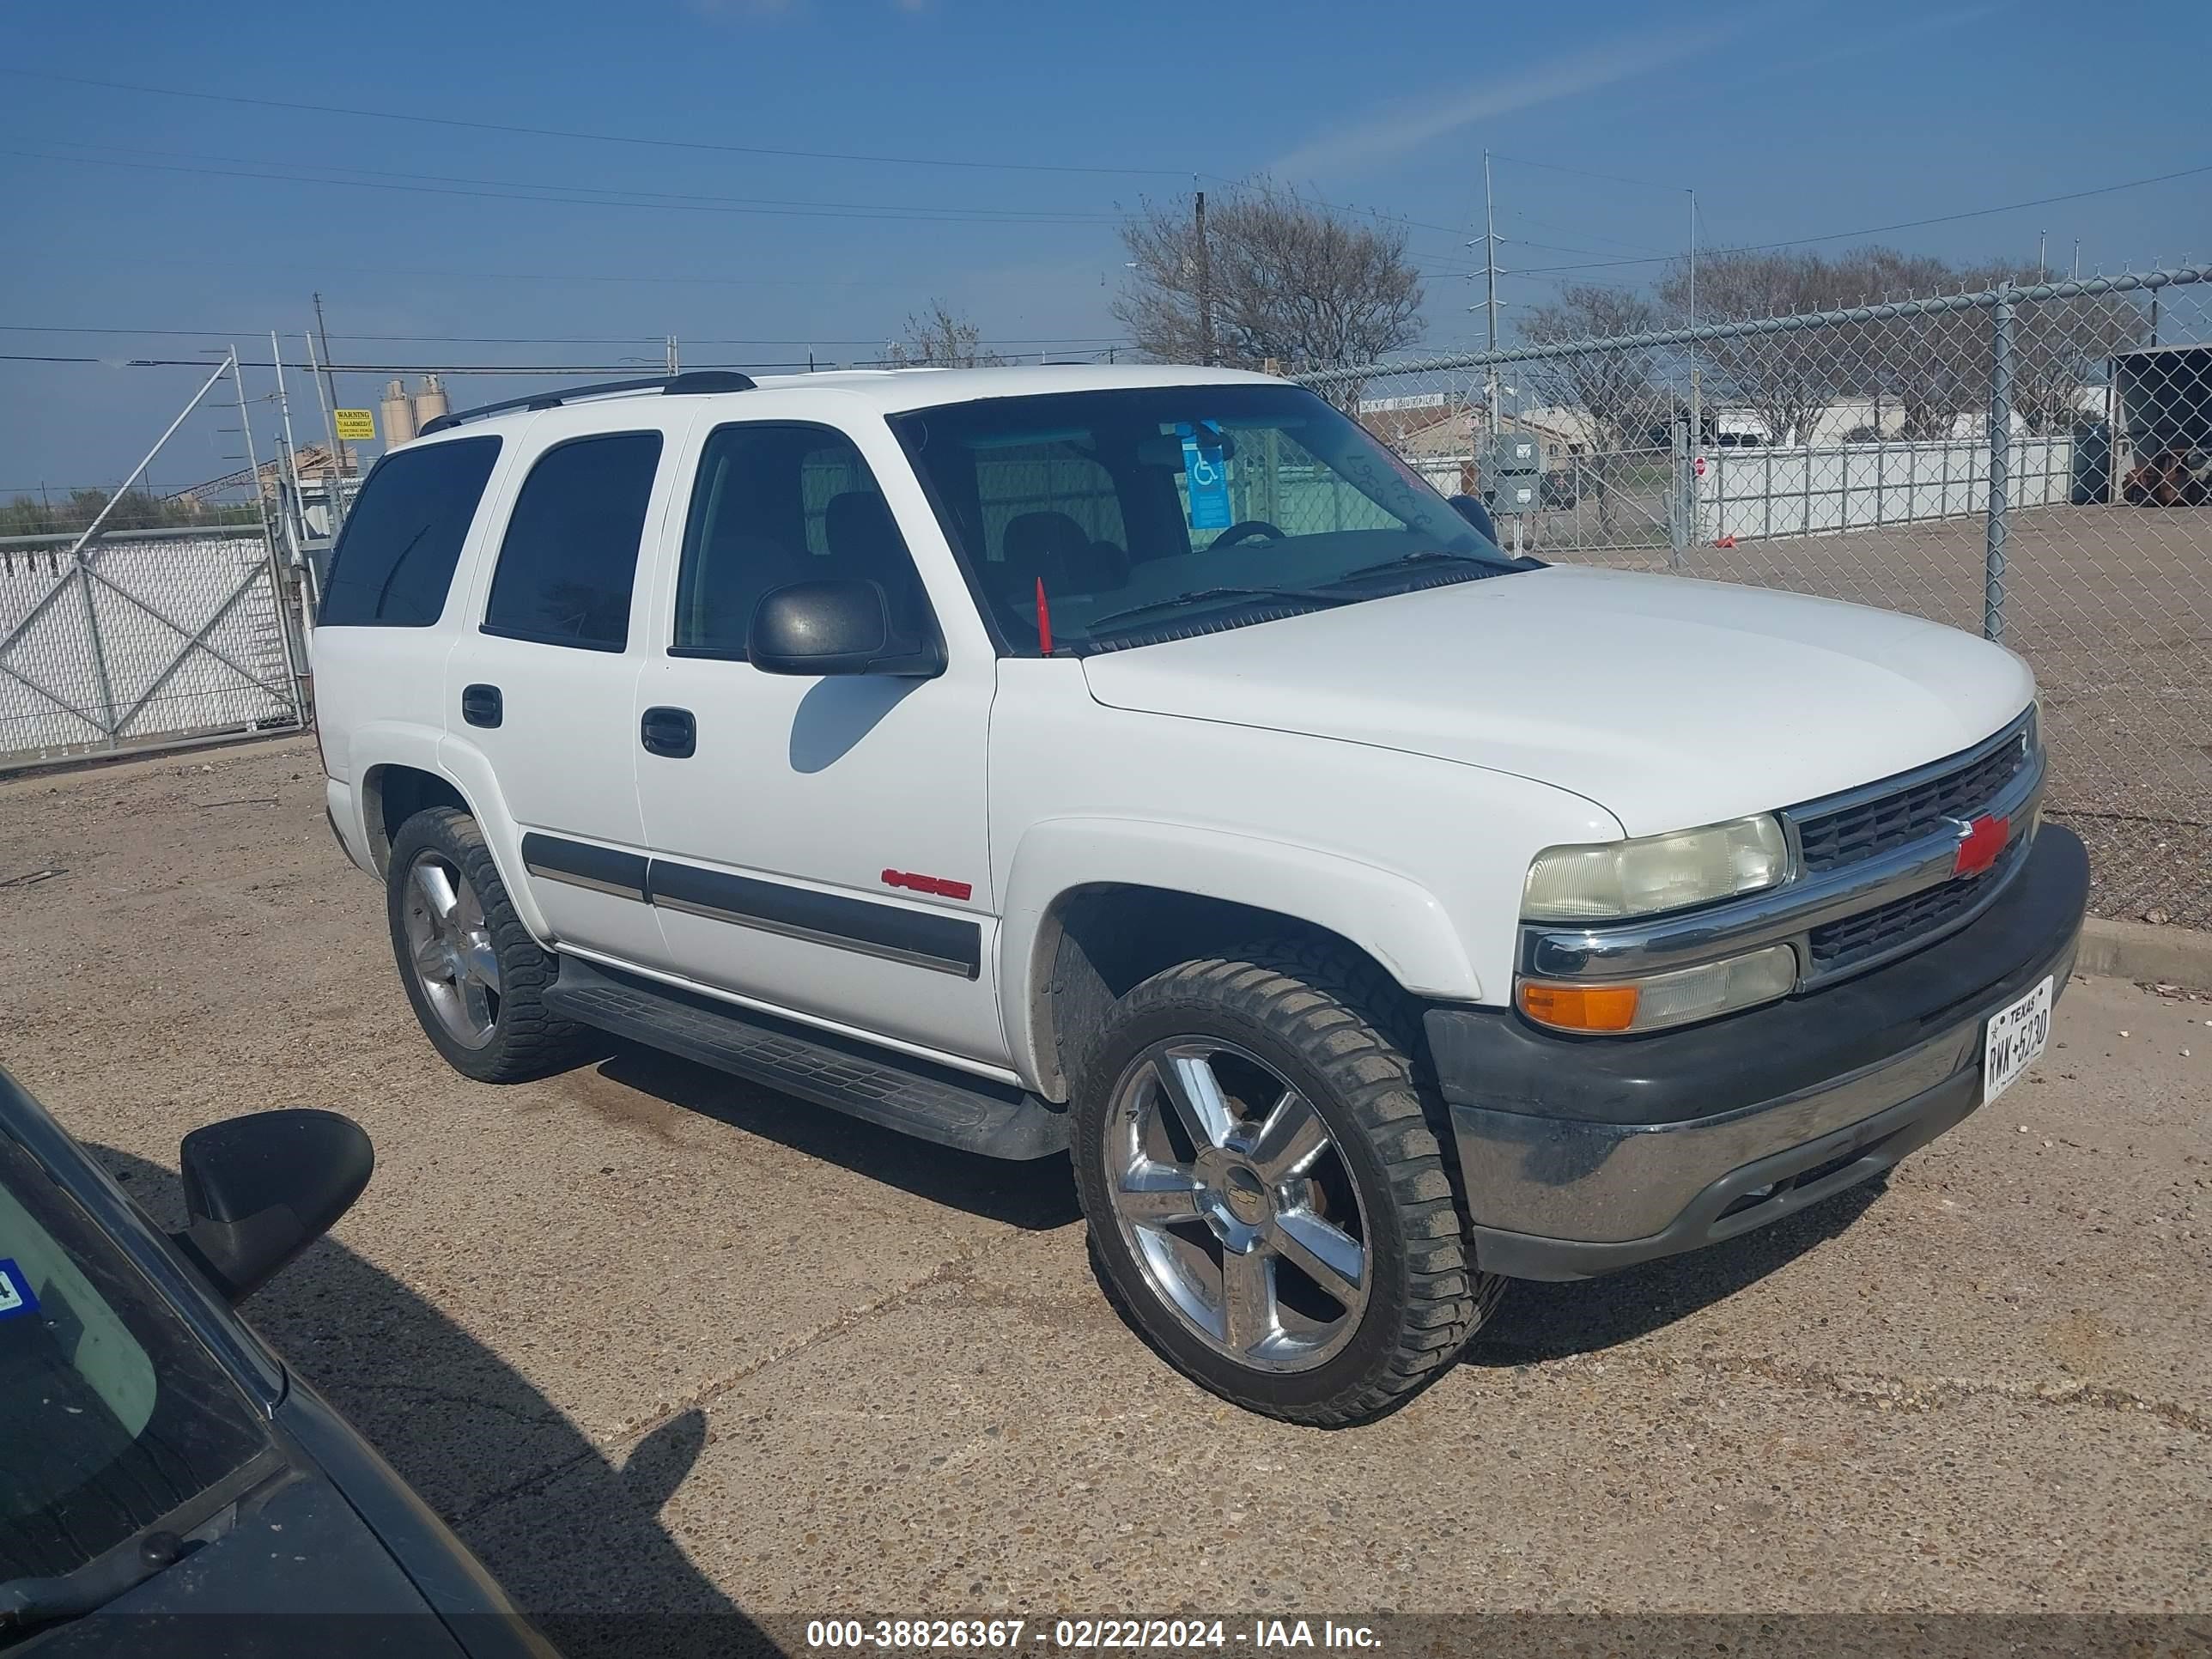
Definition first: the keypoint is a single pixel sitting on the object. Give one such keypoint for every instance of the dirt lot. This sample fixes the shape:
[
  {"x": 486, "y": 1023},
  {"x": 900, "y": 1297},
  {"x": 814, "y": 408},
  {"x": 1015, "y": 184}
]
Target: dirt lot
[
  {"x": 2112, "y": 606},
  {"x": 655, "y": 1341}
]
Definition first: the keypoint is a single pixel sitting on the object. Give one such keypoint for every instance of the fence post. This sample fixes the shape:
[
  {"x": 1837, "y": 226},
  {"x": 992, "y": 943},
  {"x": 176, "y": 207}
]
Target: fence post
[
  {"x": 1677, "y": 534},
  {"x": 1993, "y": 556}
]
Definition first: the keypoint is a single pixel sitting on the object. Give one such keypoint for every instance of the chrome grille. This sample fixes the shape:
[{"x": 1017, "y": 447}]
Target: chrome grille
[
  {"x": 1840, "y": 945},
  {"x": 1866, "y": 829}
]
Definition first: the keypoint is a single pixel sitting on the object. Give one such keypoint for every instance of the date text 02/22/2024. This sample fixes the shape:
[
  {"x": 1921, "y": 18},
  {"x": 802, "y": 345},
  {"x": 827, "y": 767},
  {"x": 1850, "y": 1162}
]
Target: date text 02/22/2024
[{"x": 1017, "y": 1635}]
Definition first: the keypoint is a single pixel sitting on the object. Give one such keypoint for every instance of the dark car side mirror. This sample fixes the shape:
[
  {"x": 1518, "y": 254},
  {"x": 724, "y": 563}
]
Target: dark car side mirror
[
  {"x": 834, "y": 628},
  {"x": 1476, "y": 514},
  {"x": 259, "y": 1190}
]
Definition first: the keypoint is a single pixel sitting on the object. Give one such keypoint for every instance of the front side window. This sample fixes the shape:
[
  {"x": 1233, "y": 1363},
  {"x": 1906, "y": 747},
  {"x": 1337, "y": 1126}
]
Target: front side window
[
  {"x": 395, "y": 558},
  {"x": 115, "y": 1417},
  {"x": 1136, "y": 513},
  {"x": 778, "y": 504},
  {"x": 569, "y": 560}
]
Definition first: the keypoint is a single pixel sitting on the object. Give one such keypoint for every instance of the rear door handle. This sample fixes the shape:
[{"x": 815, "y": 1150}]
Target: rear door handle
[
  {"x": 481, "y": 705},
  {"x": 670, "y": 731}
]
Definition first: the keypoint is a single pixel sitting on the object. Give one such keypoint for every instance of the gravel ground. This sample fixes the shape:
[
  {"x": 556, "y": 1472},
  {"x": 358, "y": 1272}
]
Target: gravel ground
[
  {"x": 2112, "y": 606},
  {"x": 656, "y": 1342}
]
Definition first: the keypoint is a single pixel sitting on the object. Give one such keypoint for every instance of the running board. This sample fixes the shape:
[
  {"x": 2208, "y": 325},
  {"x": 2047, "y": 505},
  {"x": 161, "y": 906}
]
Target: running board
[{"x": 931, "y": 1101}]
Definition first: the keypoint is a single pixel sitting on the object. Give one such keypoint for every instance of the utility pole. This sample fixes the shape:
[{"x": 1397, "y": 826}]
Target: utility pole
[
  {"x": 2077, "y": 258},
  {"x": 672, "y": 368},
  {"x": 329, "y": 381},
  {"x": 288, "y": 502},
  {"x": 1490, "y": 273},
  {"x": 2041, "y": 237},
  {"x": 1205, "y": 282}
]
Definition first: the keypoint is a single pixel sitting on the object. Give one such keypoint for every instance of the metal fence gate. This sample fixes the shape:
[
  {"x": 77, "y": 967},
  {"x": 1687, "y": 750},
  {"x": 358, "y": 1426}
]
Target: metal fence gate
[
  {"x": 117, "y": 639},
  {"x": 2032, "y": 463}
]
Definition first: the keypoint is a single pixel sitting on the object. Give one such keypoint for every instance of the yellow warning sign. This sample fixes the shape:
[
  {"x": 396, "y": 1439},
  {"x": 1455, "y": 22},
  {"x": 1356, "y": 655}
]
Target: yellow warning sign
[{"x": 355, "y": 423}]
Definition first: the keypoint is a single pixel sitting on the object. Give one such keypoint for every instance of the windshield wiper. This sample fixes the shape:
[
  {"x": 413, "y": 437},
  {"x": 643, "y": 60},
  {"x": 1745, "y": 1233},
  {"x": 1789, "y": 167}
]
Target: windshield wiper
[
  {"x": 1295, "y": 595},
  {"x": 40, "y": 1600},
  {"x": 1426, "y": 555}
]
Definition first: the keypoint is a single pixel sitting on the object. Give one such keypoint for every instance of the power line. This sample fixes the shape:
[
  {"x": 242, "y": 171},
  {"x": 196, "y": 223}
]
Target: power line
[
  {"x": 624, "y": 196},
  {"x": 261, "y": 266},
  {"x": 593, "y": 137},
  {"x": 631, "y": 367},
  {"x": 1574, "y": 230},
  {"x": 1070, "y": 340},
  {"x": 1585, "y": 173},
  {"x": 1905, "y": 224},
  {"x": 924, "y": 216}
]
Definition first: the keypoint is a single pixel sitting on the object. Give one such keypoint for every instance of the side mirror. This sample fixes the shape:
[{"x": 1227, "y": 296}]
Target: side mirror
[
  {"x": 834, "y": 628},
  {"x": 1476, "y": 514},
  {"x": 259, "y": 1190}
]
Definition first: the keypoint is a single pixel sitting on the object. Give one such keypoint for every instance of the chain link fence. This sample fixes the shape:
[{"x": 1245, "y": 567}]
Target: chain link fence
[
  {"x": 130, "y": 617},
  {"x": 2030, "y": 463}
]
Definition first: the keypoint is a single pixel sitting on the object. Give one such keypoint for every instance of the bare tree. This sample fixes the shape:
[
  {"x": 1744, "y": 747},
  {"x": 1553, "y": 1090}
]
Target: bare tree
[
  {"x": 940, "y": 337},
  {"x": 1614, "y": 388},
  {"x": 1785, "y": 378},
  {"x": 1289, "y": 281},
  {"x": 2062, "y": 350},
  {"x": 1936, "y": 365}
]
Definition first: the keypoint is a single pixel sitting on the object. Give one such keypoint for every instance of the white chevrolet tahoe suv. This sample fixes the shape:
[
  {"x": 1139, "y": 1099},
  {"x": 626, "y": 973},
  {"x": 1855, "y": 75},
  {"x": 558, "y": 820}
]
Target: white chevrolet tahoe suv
[{"x": 1142, "y": 762}]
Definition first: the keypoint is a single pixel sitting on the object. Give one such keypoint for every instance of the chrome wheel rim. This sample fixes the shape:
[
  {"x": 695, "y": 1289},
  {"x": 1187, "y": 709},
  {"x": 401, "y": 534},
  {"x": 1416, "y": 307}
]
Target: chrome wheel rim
[
  {"x": 450, "y": 950},
  {"x": 1236, "y": 1200}
]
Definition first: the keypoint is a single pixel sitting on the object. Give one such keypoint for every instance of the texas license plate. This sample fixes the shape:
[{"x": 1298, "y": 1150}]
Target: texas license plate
[{"x": 2015, "y": 1037}]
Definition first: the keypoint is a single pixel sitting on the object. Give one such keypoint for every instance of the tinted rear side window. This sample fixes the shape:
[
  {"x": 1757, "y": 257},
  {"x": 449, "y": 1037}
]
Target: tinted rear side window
[
  {"x": 569, "y": 557},
  {"x": 395, "y": 558}
]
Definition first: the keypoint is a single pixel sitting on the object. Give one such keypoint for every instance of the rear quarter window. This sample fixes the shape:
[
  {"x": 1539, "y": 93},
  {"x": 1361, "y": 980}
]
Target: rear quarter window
[
  {"x": 569, "y": 559},
  {"x": 394, "y": 561}
]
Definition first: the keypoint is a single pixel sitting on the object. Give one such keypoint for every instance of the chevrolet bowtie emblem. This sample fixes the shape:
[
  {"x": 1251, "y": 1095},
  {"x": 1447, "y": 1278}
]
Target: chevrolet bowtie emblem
[{"x": 1979, "y": 844}]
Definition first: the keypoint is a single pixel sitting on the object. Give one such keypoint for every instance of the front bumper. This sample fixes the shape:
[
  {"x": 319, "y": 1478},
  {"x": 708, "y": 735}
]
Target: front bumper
[{"x": 1585, "y": 1155}]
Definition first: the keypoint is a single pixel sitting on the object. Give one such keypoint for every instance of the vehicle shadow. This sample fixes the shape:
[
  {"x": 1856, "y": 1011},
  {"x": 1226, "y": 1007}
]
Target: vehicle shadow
[
  {"x": 573, "y": 1535},
  {"x": 1038, "y": 1196},
  {"x": 1540, "y": 1321},
  {"x": 1536, "y": 1322}
]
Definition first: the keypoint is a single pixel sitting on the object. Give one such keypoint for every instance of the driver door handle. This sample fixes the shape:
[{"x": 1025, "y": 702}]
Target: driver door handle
[{"x": 669, "y": 732}]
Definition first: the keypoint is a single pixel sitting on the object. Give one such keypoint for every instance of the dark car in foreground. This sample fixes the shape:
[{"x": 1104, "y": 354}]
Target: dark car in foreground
[{"x": 167, "y": 1487}]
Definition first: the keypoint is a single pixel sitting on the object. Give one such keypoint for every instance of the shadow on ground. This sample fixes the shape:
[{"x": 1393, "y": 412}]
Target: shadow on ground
[
  {"x": 1536, "y": 1322},
  {"x": 590, "y": 1562},
  {"x": 1038, "y": 1196},
  {"x": 1540, "y": 1322}
]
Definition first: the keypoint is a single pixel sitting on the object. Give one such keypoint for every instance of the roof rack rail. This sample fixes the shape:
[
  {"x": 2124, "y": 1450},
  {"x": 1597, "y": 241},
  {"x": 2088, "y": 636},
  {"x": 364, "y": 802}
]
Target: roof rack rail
[{"x": 693, "y": 381}]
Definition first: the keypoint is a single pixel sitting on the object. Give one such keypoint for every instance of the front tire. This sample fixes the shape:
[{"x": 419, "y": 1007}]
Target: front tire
[
  {"x": 1267, "y": 1200},
  {"x": 475, "y": 976}
]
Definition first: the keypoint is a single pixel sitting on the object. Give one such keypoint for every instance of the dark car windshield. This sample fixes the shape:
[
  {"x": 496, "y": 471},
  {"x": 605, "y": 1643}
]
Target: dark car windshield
[
  {"x": 1136, "y": 511},
  {"x": 114, "y": 1414}
]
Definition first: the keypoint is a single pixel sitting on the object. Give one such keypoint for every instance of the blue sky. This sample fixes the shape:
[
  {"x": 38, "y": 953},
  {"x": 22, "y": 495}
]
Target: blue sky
[{"x": 127, "y": 209}]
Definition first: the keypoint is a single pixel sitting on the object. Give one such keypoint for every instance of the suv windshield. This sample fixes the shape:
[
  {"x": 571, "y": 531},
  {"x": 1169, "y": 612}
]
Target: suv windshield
[
  {"x": 115, "y": 1415},
  {"x": 1135, "y": 513}
]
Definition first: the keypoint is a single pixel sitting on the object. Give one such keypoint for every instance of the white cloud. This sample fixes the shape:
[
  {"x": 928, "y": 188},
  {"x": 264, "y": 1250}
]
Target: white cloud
[{"x": 1392, "y": 133}]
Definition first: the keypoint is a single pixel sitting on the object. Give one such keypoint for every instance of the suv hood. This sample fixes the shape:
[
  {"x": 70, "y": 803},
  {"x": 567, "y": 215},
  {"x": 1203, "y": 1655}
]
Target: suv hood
[{"x": 1669, "y": 701}]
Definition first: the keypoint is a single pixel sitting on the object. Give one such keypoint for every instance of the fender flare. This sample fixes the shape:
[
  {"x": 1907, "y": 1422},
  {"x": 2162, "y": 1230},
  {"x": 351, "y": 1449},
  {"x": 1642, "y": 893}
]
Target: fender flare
[
  {"x": 470, "y": 770},
  {"x": 393, "y": 743},
  {"x": 1390, "y": 916}
]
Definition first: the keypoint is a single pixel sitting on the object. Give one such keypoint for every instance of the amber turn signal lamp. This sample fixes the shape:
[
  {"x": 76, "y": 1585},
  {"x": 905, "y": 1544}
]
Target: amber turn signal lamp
[{"x": 1580, "y": 1007}]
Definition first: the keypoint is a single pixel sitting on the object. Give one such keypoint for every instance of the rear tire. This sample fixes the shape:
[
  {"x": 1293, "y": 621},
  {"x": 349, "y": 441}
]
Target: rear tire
[
  {"x": 475, "y": 976},
  {"x": 1268, "y": 1201}
]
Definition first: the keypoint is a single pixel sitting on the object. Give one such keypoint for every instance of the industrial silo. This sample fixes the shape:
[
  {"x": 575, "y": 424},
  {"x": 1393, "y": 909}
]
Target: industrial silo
[
  {"x": 398, "y": 415},
  {"x": 430, "y": 401}
]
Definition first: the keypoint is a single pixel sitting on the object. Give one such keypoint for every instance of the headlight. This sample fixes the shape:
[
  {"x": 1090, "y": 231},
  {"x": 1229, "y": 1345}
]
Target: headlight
[
  {"x": 1641, "y": 878},
  {"x": 1662, "y": 1000}
]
